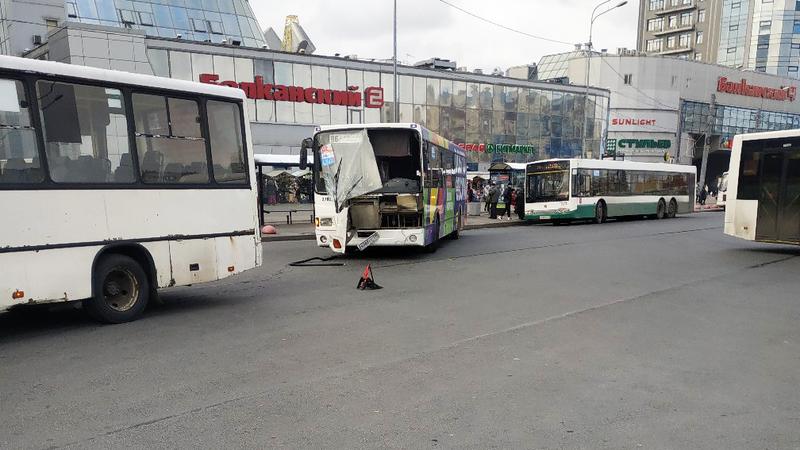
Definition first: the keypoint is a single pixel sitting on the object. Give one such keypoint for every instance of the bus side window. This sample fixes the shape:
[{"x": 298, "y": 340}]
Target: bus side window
[
  {"x": 749, "y": 171},
  {"x": 169, "y": 140},
  {"x": 19, "y": 149},
  {"x": 225, "y": 137},
  {"x": 85, "y": 132}
]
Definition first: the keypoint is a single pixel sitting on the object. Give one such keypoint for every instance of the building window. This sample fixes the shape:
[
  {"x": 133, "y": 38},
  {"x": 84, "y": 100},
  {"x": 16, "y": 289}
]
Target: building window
[
  {"x": 656, "y": 5},
  {"x": 701, "y": 16},
  {"x": 685, "y": 40},
  {"x": 686, "y": 19},
  {"x": 736, "y": 5},
  {"x": 796, "y": 26},
  {"x": 699, "y": 39},
  {"x": 199, "y": 25},
  {"x": 215, "y": 27},
  {"x": 793, "y": 68},
  {"x": 731, "y": 49},
  {"x": 673, "y": 21},
  {"x": 764, "y": 25},
  {"x": 796, "y": 46},
  {"x": 655, "y": 24},
  {"x": 145, "y": 18},
  {"x": 761, "y": 68},
  {"x": 797, "y": 6},
  {"x": 51, "y": 24},
  {"x": 627, "y": 78},
  {"x": 126, "y": 16},
  {"x": 734, "y": 27},
  {"x": 671, "y": 42},
  {"x": 654, "y": 45}
]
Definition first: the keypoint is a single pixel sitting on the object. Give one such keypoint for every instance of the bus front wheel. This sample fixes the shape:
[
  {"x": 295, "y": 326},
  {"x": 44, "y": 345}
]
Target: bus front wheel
[
  {"x": 121, "y": 290},
  {"x": 600, "y": 213}
]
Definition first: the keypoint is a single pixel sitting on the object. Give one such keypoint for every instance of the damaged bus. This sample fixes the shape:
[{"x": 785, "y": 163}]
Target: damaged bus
[{"x": 385, "y": 185}]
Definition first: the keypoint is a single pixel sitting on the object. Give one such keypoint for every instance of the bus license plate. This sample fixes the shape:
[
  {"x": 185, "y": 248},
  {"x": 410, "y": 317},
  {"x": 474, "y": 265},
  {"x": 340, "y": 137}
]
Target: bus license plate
[
  {"x": 373, "y": 238},
  {"x": 544, "y": 217}
]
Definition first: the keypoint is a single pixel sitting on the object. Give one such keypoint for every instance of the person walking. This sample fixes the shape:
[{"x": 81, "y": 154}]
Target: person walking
[
  {"x": 519, "y": 204},
  {"x": 507, "y": 194},
  {"x": 704, "y": 195},
  {"x": 486, "y": 197},
  {"x": 494, "y": 197}
]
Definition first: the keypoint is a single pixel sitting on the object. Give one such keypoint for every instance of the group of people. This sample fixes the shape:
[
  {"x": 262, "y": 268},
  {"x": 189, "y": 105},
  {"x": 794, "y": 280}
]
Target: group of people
[{"x": 494, "y": 194}]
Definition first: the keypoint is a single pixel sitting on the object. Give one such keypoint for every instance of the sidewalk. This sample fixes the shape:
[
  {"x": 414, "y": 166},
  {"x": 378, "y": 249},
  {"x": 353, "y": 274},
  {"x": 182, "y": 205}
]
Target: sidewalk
[{"x": 305, "y": 231}]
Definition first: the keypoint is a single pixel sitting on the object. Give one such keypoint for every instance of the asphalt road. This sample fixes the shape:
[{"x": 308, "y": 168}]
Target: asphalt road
[{"x": 641, "y": 334}]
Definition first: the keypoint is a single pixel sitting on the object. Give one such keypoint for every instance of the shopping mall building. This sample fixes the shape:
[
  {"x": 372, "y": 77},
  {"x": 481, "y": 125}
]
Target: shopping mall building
[
  {"x": 664, "y": 105},
  {"x": 494, "y": 117}
]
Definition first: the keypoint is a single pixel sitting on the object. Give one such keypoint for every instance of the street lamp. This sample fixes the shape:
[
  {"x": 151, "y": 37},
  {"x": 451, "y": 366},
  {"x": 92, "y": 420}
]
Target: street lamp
[
  {"x": 396, "y": 108},
  {"x": 594, "y": 17}
]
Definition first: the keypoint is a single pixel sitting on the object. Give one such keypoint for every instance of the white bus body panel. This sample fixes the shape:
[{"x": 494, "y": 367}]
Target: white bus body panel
[{"x": 158, "y": 220}]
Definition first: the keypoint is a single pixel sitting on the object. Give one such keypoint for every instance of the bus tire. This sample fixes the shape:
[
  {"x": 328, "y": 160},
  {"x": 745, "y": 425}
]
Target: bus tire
[
  {"x": 672, "y": 210},
  {"x": 661, "y": 209},
  {"x": 600, "y": 212},
  {"x": 120, "y": 290}
]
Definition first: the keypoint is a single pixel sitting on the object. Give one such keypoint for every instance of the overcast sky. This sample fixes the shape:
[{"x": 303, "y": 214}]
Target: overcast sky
[{"x": 428, "y": 28}]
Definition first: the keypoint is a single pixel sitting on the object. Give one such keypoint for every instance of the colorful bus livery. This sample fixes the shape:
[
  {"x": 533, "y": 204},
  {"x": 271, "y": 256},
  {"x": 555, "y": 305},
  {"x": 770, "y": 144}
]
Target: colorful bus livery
[
  {"x": 574, "y": 189},
  {"x": 386, "y": 185}
]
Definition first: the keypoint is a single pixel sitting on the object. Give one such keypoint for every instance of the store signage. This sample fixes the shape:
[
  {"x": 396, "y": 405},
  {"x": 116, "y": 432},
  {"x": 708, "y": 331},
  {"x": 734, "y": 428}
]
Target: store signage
[
  {"x": 258, "y": 90},
  {"x": 499, "y": 148},
  {"x": 633, "y": 122},
  {"x": 644, "y": 143},
  {"x": 787, "y": 93}
]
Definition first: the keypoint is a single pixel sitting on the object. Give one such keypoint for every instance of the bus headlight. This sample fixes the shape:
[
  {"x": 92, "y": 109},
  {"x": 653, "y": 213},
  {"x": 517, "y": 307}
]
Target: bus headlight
[
  {"x": 326, "y": 221},
  {"x": 412, "y": 238},
  {"x": 323, "y": 240}
]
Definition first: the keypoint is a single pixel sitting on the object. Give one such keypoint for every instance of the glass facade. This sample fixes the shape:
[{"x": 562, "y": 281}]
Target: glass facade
[
  {"x": 730, "y": 120},
  {"x": 197, "y": 20},
  {"x": 540, "y": 122},
  {"x": 555, "y": 66}
]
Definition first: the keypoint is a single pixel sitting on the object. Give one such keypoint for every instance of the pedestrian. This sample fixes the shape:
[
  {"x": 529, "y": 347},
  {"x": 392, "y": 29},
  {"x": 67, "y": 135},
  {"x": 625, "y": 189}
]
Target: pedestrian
[
  {"x": 470, "y": 194},
  {"x": 703, "y": 194},
  {"x": 507, "y": 194},
  {"x": 494, "y": 197},
  {"x": 520, "y": 204},
  {"x": 486, "y": 196}
]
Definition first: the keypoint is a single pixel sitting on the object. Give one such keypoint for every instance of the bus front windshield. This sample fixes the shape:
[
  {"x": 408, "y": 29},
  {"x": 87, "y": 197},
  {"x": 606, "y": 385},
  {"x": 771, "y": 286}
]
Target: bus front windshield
[
  {"x": 550, "y": 186},
  {"x": 352, "y": 163}
]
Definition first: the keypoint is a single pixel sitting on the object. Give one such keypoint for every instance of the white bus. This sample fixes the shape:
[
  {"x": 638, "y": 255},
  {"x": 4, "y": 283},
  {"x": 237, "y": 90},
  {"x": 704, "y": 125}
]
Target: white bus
[
  {"x": 386, "y": 185},
  {"x": 114, "y": 184},
  {"x": 562, "y": 190},
  {"x": 763, "y": 201}
]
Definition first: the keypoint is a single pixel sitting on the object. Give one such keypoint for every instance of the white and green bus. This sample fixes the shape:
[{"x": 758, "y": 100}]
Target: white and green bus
[{"x": 562, "y": 190}]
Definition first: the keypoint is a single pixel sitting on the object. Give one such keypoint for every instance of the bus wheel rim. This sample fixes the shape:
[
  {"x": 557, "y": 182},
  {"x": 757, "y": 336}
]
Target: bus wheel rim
[{"x": 120, "y": 289}]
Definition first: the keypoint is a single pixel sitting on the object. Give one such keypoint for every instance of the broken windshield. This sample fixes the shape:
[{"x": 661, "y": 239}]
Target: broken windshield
[{"x": 351, "y": 163}]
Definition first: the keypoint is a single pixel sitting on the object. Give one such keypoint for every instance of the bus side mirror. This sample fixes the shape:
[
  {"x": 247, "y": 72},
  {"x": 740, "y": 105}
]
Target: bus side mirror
[{"x": 307, "y": 143}]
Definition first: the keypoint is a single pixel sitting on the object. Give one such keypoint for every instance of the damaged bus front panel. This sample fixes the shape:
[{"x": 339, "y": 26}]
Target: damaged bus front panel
[{"x": 373, "y": 186}]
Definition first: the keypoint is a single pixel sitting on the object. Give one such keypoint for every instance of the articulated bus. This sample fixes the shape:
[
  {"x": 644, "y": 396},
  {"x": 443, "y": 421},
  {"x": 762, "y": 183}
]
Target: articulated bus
[
  {"x": 386, "y": 185},
  {"x": 114, "y": 184},
  {"x": 562, "y": 190},
  {"x": 763, "y": 196}
]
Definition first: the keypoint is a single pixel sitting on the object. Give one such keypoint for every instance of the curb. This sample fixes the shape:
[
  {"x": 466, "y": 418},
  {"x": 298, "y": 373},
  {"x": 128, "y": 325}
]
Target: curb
[{"x": 312, "y": 237}]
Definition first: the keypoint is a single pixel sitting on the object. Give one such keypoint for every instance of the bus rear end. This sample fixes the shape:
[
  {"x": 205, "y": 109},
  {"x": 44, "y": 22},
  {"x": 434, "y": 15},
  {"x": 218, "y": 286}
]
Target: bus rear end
[{"x": 763, "y": 195}]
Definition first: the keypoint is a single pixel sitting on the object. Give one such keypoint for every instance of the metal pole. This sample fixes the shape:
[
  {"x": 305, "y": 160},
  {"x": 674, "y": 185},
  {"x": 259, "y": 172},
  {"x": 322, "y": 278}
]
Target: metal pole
[
  {"x": 712, "y": 112},
  {"x": 394, "y": 59},
  {"x": 586, "y": 94}
]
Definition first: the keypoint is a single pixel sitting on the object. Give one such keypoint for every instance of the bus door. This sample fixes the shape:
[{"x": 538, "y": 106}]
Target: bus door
[{"x": 779, "y": 197}]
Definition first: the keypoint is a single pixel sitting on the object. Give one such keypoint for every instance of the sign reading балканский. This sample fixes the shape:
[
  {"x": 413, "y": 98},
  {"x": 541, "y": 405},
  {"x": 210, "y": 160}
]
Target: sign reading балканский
[{"x": 785, "y": 93}]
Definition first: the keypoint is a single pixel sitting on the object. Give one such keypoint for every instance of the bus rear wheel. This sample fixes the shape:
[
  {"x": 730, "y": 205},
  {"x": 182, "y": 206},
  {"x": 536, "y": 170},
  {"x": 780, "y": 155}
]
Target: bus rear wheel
[
  {"x": 672, "y": 210},
  {"x": 661, "y": 209},
  {"x": 121, "y": 290},
  {"x": 600, "y": 213}
]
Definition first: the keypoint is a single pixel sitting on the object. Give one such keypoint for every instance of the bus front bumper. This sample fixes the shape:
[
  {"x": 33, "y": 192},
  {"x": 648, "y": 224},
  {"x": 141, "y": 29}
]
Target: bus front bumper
[{"x": 414, "y": 237}]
